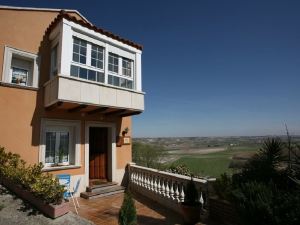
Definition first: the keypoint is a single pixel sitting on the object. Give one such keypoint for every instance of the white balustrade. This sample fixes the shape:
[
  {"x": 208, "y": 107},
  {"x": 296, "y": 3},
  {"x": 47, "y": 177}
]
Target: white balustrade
[{"x": 164, "y": 187}]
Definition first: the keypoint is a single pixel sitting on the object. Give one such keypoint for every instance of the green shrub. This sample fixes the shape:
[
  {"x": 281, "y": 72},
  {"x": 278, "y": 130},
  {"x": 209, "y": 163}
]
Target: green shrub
[
  {"x": 179, "y": 169},
  {"x": 263, "y": 167},
  {"x": 43, "y": 185},
  {"x": 148, "y": 155},
  {"x": 264, "y": 204},
  {"x": 1, "y": 207},
  {"x": 223, "y": 186},
  {"x": 263, "y": 192},
  {"x": 127, "y": 214},
  {"x": 254, "y": 203}
]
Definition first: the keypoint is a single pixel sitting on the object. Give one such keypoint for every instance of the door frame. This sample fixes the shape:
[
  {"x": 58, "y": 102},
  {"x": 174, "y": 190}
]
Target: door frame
[{"x": 111, "y": 151}]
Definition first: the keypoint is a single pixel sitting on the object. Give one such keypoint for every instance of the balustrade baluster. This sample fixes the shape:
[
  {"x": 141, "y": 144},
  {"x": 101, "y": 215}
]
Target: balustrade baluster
[
  {"x": 201, "y": 200},
  {"x": 143, "y": 179},
  {"x": 139, "y": 178},
  {"x": 155, "y": 185},
  {"x": 163, "y": 187},
  {"x": 172, "y": 190},
  {"x": 147, "y": 182},
  {"x": 177, "y": 194},
  {"x": 167, "y": 189},
  {"x": 151, "y": 183},
  {"x": 182, "y": 193},
  {"x": 159, "y": 185}
]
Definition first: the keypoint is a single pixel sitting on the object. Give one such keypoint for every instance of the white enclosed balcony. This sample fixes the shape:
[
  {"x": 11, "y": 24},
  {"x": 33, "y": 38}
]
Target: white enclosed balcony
[{"x": 91, "y": 68}]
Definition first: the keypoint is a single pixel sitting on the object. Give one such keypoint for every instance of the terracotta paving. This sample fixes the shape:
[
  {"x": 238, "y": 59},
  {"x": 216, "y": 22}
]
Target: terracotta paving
[{"x": 105, "y": 210}]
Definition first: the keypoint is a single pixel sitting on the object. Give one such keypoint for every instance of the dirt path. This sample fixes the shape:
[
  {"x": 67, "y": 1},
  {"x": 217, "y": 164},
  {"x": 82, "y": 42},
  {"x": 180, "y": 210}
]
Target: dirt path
[{"x": 200, "y": 151}]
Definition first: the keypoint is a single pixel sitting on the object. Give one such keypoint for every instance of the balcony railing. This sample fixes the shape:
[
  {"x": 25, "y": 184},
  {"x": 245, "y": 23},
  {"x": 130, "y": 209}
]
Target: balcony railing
[{"x": 168, "y": 189}]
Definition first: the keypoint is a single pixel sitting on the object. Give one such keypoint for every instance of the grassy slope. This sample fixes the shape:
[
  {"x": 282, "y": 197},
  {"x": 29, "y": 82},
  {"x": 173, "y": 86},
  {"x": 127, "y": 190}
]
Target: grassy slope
[{"x": 212, "y": 164}]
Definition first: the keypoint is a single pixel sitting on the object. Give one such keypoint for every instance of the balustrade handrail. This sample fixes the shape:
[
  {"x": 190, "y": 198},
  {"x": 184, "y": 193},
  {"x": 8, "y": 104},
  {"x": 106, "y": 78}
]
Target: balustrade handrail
[
  {"x": 166, "y": 188},
  {"x": 168, "y": 174}
]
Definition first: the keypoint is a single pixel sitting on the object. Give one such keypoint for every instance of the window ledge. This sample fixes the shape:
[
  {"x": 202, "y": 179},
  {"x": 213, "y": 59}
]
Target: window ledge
[
  {"x": 54, "y": 168},
  {"x": 18, "y": 86}
]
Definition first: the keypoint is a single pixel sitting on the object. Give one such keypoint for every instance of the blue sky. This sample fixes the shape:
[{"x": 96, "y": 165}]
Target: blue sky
[{"x": 210, "y": 68}]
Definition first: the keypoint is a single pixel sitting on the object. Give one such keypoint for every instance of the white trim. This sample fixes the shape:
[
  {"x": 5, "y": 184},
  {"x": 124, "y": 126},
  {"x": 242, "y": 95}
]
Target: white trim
[
  {"x": 75, "y": 124},
  {"x": 8, "y": 56},
  {"x": 101, "y": 37},
  {"x": 112, "y": 152},
  {"x": 42, "y": 9}
]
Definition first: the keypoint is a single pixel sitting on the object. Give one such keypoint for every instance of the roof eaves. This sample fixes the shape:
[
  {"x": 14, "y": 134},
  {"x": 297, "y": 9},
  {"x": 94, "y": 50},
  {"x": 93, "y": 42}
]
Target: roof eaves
[{"x": 64, "y": 15}]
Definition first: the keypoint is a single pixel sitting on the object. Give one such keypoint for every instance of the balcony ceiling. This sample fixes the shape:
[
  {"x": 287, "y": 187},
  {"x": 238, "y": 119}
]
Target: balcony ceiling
[{"x": 71, "y": 107}]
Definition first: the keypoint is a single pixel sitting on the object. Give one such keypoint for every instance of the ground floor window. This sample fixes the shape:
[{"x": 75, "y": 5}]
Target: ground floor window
[
  {"x": 60, "y": 143},
  {"x": 57, "y": 146}
]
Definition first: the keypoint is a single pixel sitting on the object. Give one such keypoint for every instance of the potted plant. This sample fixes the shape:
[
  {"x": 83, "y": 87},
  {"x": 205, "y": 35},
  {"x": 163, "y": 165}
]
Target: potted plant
[
  {"x": 191, "y": 206},
  {"x": 61, "y": 159},
  {"x": 125, "y": 131}
]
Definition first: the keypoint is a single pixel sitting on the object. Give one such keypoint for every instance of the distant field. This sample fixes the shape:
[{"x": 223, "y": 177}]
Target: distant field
[{"x": 212, "y": 164}]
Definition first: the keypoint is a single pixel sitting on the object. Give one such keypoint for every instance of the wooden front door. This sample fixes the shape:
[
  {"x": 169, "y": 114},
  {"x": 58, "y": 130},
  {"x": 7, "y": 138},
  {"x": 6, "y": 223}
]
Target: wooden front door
[{"x": 98, "y": 144}]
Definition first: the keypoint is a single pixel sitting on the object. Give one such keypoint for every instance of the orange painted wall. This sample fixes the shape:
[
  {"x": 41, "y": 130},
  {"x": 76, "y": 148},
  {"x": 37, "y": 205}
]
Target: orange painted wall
[
  {"x": 124, "y": 152},
  {"x": 21, "y": 110}
]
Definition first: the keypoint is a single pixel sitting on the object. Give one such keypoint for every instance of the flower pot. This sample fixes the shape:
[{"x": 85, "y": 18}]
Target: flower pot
[
  {"x": 51, "y": 210},
  {"x": 191, "y": 213}
]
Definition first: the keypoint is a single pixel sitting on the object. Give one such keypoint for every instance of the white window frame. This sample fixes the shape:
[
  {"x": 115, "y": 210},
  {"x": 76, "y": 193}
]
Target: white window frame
[
  {"x": 57, "y": 129},
  {"x": 96, "y": 59},
  {"x": 131, "y": 67},
  {"x": 107, "y": 49},
  {"x": 88, "y": 65},
  {"x": 74, "y": 144},
  {"x": 8, "y": 55}
]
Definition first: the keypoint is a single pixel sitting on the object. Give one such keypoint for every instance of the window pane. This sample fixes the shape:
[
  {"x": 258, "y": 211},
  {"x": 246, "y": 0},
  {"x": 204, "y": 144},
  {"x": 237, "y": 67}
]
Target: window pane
[
  {"x": 19, "y": 76},
  {"x": 129, "y": 84},
  {"x": 113, "y": 62},
  {"x": 100, "y": 77},
  {"x": 116, "y": 81},
  {"x": 75, "y": 57},
  {"x": 100, "y": 64},
  {"x": 126, "y": 67},
  {"x": 92, "y": 75},
  {"x": 110, "y": 77},
  {"x": 123, "y": 82},
  {"x": 94, "y": 54},
  {"x": 76, "y": 41},
  {"x": 82, "y": 59},
  {"x": 97, "y": 56},
  {"x": 74, "y": 71},
  {"x": 64, "y": 147},
  {"x": 79, "y": 50},
  {"x": 93, "y": 62},
  {"x": 83, "y": 73},
  {"x": 76, "y": 48},
  {"x": 50, "y": 147}
]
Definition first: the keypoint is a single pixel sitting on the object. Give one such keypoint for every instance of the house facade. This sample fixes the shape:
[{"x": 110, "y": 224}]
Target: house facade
[{"x": 67, "y": 93}]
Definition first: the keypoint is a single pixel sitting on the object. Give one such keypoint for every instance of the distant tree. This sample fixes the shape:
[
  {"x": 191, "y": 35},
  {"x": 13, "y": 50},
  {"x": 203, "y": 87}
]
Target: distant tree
[{"x": 147, "y": 155}]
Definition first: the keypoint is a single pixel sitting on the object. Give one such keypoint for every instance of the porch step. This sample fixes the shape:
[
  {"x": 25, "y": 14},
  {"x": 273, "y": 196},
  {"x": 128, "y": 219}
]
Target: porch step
[
  {"x": 114, "y": 189},
  {"x": 99, "y": 187}
]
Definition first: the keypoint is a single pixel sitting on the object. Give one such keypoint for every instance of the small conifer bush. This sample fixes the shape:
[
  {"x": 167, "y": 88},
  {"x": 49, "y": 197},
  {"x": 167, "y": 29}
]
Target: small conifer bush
[{"x": 127, "y": 214}]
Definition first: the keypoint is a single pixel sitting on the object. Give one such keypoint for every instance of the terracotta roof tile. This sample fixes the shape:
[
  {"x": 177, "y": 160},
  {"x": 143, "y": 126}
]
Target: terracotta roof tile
[{"x": 65, "y": 15}]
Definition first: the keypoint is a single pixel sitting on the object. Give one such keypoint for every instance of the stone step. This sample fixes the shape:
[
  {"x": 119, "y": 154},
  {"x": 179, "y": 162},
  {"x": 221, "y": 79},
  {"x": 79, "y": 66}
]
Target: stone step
[
  {"x": 104, "y": 192},
  {"x": 100, "y": 187}
]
